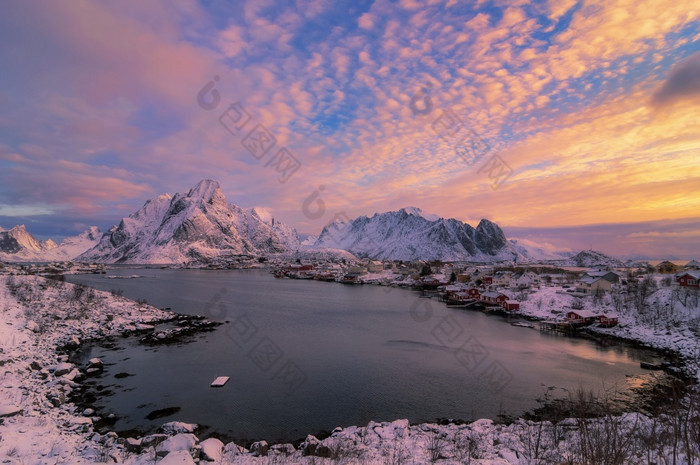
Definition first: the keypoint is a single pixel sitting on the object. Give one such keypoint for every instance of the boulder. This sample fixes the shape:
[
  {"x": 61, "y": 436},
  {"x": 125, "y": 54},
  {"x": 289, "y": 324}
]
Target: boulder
[
  {"x": 259, "y": 449},
  {"x": 153, "y": 439},
  {"x": 95, "y": 363},
  {"x": 9, "y": 410},
  {"x": 284, "y": 449},
  {"x": 180, "y": 457},
  {"x": 212, "y": 450},
  {"x": 62, "y": 369},
  {"x": 179, "y": 442},
  {"x": 133, "y": 444},
  {"x": 309, "y": 446},
  {"x": 176, "y": 427},
  {"x": 32, "y": 326}
]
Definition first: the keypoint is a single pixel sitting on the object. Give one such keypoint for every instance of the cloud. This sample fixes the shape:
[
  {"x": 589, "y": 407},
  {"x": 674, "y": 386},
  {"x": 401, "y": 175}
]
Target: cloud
[{"x": 683, "y": 82}]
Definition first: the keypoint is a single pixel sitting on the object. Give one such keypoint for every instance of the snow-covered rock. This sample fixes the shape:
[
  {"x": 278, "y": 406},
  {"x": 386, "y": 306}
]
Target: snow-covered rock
[
  {"x": 180, "y": 457},
  {"x": 182, "y": 441},
  {"x": 212, "y": 450}
]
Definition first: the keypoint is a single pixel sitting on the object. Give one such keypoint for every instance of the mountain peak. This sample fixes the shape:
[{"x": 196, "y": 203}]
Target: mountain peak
[
  {"x": 197, "y": 227},
  {"x": 206, "y": 190},
  {"x": 415, "y": 211}
]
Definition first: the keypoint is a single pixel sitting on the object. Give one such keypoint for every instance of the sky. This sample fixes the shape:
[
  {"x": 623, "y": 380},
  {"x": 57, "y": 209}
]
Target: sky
[{"x": 570, "y": 123}]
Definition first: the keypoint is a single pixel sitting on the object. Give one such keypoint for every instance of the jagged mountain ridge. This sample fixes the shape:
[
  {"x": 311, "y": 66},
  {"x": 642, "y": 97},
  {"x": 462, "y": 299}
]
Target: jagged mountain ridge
[
  {"x": 409, "y": 234},
  {"x": 18, "y": 245},
  {"x": 195, "y": 227}
]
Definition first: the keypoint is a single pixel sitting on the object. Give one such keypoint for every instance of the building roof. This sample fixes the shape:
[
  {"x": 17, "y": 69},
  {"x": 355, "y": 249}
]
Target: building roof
[
  {"x": 590, "y": 279},
  {"x": 584, "y": 313},
  {"x": 694, "y": 273},
  {"x": 692, "y": 264},
  {"x": 491, "y": 294}
]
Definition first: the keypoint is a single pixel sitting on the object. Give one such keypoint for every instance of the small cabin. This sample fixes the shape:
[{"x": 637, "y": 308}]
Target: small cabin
[
  {"x": 474, "y": 293},
  {"x": 581, "y": 317},
  {"x": 689, "y": 279},
  {"x": 607, "y": 321},
  {"x": 511, "y": 305},
  {"x": 493, "y": 297},
  {"x": 487, "y": 280}
]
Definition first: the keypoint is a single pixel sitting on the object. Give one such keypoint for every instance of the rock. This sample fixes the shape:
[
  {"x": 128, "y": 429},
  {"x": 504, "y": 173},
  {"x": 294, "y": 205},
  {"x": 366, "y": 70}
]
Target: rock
[
  {"x": 212, "y": 450},
  {"x": 32, "y": 326},
  {"x": 180, "y": 457},
  {"x": 234, "y": 449},
  {"x": 284, "y": 449},
  {"x": 259, "y": 449},
  {"x": 94, "y": 370},
  {"x": 153, "y": 439},
  {"x": 309, "y": 446},
  {"x": 183, "y": 441},
  {"x": 9, "y": 410},
  {"x": 35, "y": 365},
  {"x": 88, "y": 412},
  {"x": 62, "y": 369},
  {"x": 133, "y": 444},
  {"x": 95, "y": 363},
  {"x": 80, "y": 424},
  {"x": 175, "y": 427}
]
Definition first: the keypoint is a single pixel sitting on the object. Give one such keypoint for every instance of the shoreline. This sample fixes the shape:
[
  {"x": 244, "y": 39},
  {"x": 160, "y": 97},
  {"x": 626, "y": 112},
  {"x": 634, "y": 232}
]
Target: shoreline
[{"x": 127, "y": 317}]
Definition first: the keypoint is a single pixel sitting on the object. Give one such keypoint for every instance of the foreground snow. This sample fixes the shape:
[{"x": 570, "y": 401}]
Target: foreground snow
[{"x": 39, "y": 426}]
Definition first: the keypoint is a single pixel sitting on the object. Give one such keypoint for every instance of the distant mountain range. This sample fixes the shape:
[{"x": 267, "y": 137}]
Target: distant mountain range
[
  {"x": 18, "y": 245},
  {"x": 201, "y": 226}
]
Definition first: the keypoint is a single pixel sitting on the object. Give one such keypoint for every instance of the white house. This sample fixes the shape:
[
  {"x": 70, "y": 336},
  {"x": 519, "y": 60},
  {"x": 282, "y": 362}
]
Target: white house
[
  {"x": 525, "y": 278},
  {"x": 501, "y": 278},
  {"x": 592, "y": 284}
]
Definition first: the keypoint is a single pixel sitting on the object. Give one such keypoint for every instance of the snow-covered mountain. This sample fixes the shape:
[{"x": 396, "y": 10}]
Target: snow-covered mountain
[
  {"x": 196, "y": 227},
  {"x": 18, "y": 245},
  {"x": 588, "y": 258},
  {"x": 537, "y": 252},
  {"x": 409, "y": 234}
]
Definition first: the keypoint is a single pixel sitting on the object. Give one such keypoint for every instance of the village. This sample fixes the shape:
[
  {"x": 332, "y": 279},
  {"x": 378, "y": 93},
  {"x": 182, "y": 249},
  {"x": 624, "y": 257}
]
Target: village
[{"x": 595, "y": 296}]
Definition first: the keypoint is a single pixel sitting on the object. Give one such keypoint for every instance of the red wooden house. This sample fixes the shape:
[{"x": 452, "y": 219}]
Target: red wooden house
[
  {"x": 511, "y": 305},
  {"x": 607, "y": 321},
  {"x": 487, "y": 280},
  {"x": 688, "y": 279},
  {"x": 581, "y": 317},
  {"x": 474, "y": 293},
  {"x": 491, "y": 297}
]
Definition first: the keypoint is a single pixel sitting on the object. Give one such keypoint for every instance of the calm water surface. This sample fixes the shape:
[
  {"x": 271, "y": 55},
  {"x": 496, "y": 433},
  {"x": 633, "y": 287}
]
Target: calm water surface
[{"x": 305, "y": 356}]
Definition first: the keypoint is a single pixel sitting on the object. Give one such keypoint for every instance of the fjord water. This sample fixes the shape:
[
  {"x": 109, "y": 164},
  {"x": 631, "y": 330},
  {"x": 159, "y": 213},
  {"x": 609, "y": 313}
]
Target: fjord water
[{"x": 305, "y": 356}]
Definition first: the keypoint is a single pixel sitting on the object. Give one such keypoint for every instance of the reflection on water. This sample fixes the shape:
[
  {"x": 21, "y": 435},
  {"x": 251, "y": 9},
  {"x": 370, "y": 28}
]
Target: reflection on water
[{"x": 305, "y": 356}]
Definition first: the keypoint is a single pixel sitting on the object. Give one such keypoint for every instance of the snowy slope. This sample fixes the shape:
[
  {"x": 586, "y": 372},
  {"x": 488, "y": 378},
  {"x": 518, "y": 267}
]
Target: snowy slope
[
  {"x": 196, "y": 227},
  {"x": 409, "y": 234},
  {"x": 538, "y": 252},
  {"x": 18, "y": 245}
]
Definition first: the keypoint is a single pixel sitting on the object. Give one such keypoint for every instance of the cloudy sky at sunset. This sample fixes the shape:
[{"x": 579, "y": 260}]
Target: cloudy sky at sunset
[{"x": 573, "y": 123}]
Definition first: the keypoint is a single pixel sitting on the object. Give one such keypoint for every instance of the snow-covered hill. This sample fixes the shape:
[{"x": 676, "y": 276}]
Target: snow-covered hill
[
  {"x": 410, "y": 234},
  {"x": 18, "y": 245},
  {"x": 196, "y": 227},
  {"x": 588, "y": 258}
]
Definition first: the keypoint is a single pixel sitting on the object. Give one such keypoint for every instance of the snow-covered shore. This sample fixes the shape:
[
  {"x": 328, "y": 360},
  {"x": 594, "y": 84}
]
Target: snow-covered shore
[{"x": 38, "y": 424}]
